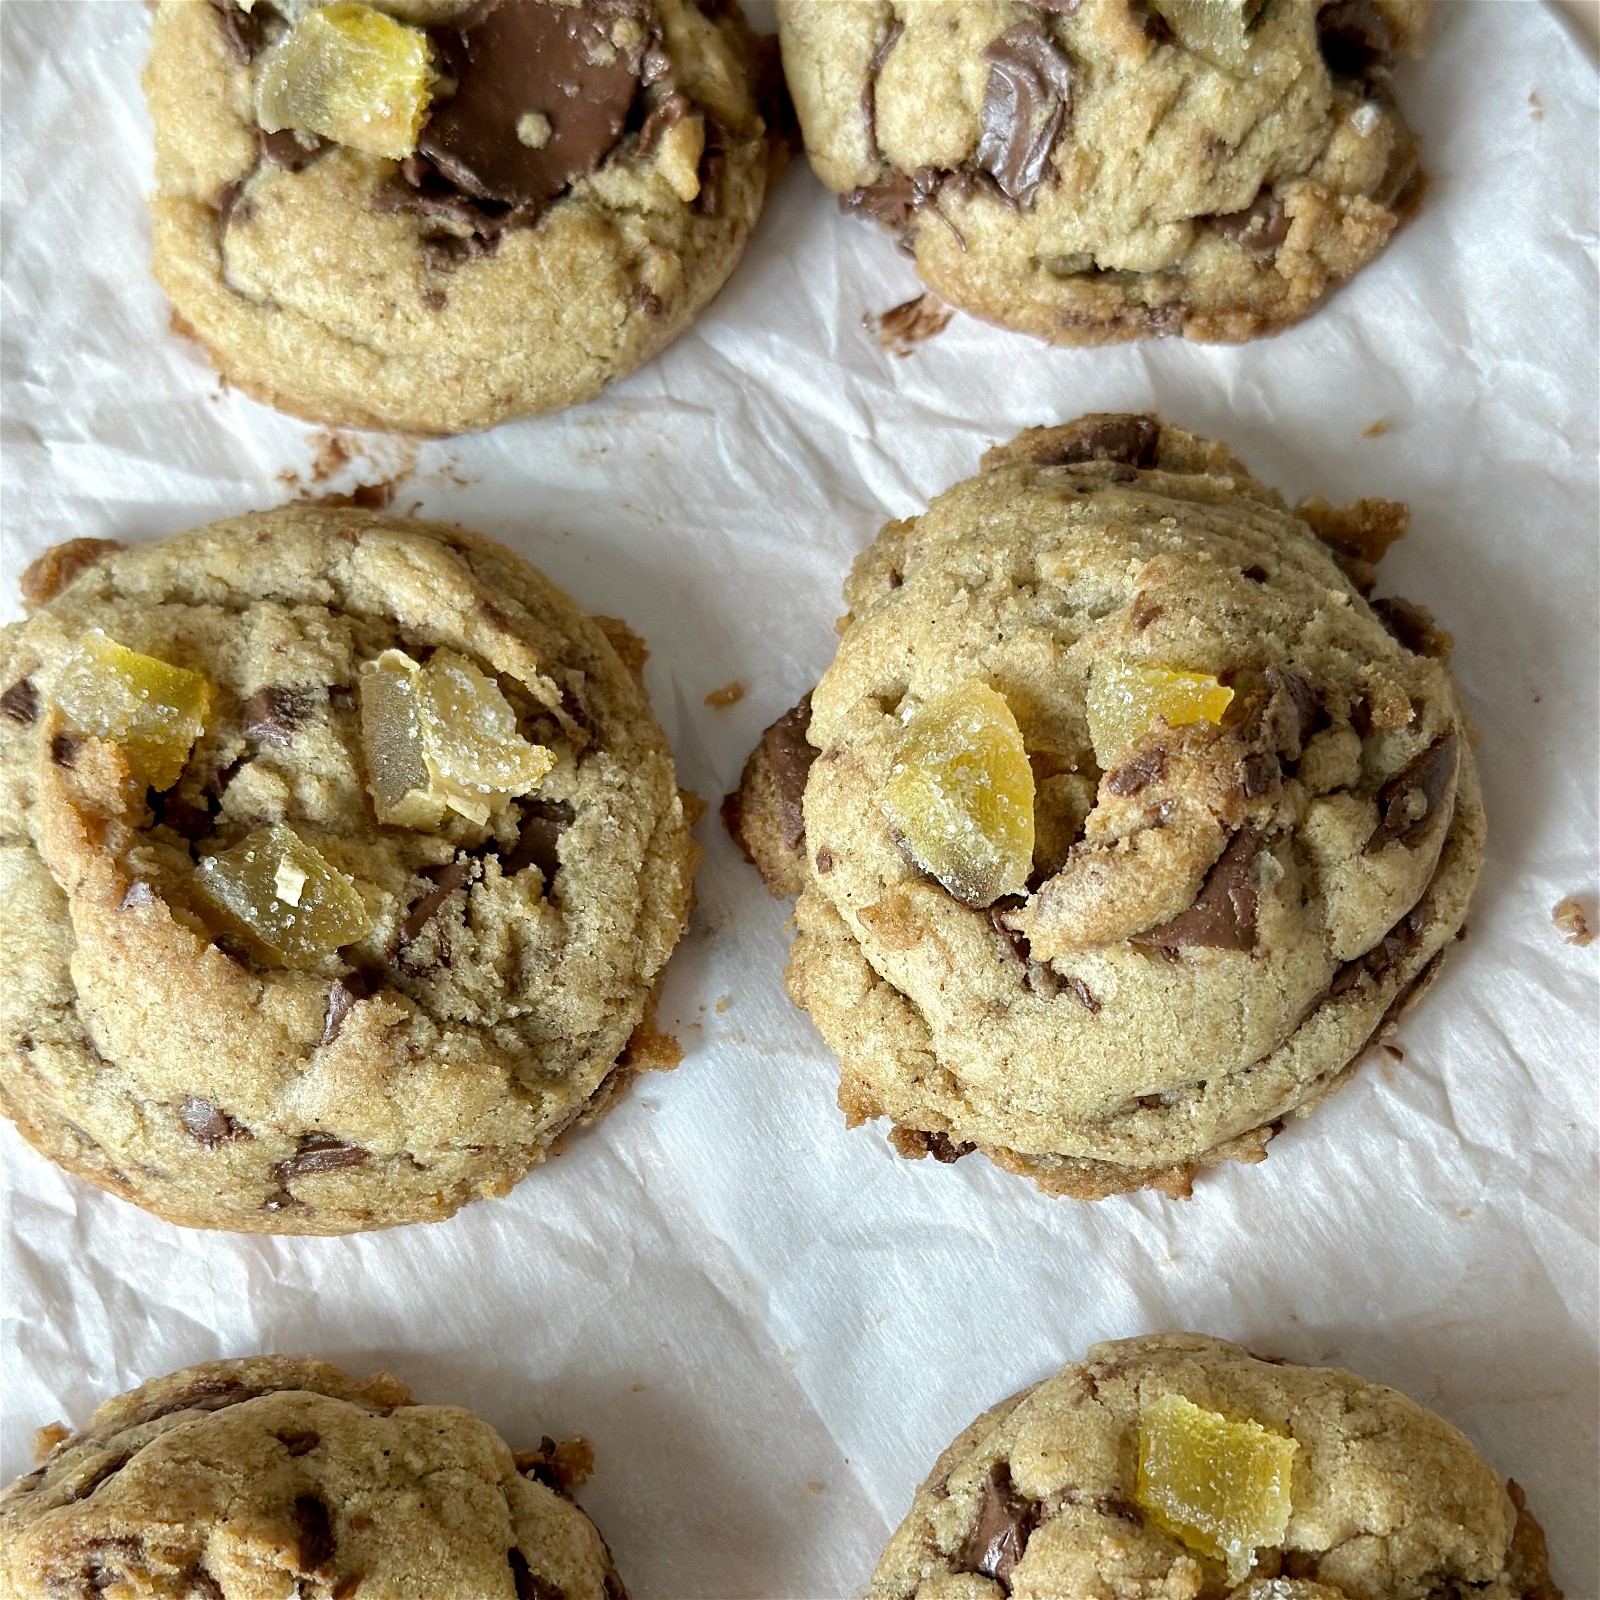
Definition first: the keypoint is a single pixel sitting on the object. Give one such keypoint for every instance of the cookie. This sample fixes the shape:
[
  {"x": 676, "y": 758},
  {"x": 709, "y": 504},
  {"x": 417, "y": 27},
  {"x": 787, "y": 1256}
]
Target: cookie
[
  {"x": 1102, "y": 170},
  {"x": 436, "y": 215},
  {"x": 276, "y": 1475},
  {"x": 1122, "y": 824},
  {"x": 1105, "y": 1480},
  {"x": 340, "y": 858}
]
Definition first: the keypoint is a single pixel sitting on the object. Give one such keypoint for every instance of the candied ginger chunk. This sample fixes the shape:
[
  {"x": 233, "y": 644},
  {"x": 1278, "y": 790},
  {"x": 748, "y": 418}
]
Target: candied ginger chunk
[
  {"x": 1222, "y": 1487},
  {"x": 441, "y": 735},
  {"x": 286, "y": 895},
  {"x": 351, "y": 74},
  {"x": 961, "y": 794},
  {"x": 154, "y": 711},
  {"x": 1219, "y": 30},
  {"x": 1125, "y": 699}
]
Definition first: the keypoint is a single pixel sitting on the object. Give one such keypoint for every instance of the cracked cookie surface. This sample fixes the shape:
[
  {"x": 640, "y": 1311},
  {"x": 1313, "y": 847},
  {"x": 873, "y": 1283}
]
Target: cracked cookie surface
[
  {"x": 585, "y": 179},
  {"x": 274, "y": 1476},
  {"x": 1104, "y": 170},
  {"x": 1042, "y": 1496},
  {"x": 1219, "y": 916},
  {"x": 490, "y": 981}
]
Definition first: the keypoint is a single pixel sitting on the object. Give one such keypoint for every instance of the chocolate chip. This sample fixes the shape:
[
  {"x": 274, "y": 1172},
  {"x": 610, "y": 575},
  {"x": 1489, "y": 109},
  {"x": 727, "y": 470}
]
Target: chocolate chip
[
  {"x": 664, "y": 115},
  {"x": 522, "y": 56},
  {"x": 199, "y": 1583},
  {"x": 1025, "y": 104},
  {"x": 315, "y": 1529},
  {"x": 98, "y": 1575},
  {"x": 1084, "y": 995},
  {"x": 1260, "y": 228},
  {"x": 530, "y": 1586},
  {"x": 1388, "y": 953},
  {"x": 319, "y": 1152},
  {"x": 1143, "y": 611},
  {"x": 713, "y": 168},
  {"x": 1135, "y": 441},
  {"x": 1255, "y": 574},
  {"x": 824, "y": 860},
  {"x": 945, "y": 1150},
  {"x": 299, "y": 1444},
  {"x": 435, "y": 299},
  {"x": 270, "y": 716},
  {"x": 790, "y": 755},
  {"x": 1413, "y": 626},
  {"x": 1223, "y": 916},
  {"x": 895, "y": 200},
  {"x": 1257, "y": 773},
  {"x": 1000, "y": 1532},
  {"x": 290, "y": 150},
  {"x": 1407, "y": 802},
  {"x": 540, "y": 826},
  {"x": 20, "y": 703},
  {"x": 184, "y": 817},
  {"x": 209, "y": 1126},
  {"x": 203, "y": 1394},
  {"x": 64, "y": 750},
  {"x": 1354, "y": 37},
  {"x": 343, "y": 996},
  {"x": 1136, "y": 775},
  {"x": 1293, "y": 710},
  {"x": 423, "y": 910},
  {"x": 242, "y": 29},
  {"x": 869, "y": 90}
]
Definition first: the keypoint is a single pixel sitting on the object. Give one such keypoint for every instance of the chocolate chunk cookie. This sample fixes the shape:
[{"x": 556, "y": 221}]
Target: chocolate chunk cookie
[
  {"x": 1179, "y": 1466},
  {"x": 1101, "y": 170},
  {"x": 1122, "y": 823},
  {"x": 340, "y": 857},
  {"x": 433, "y": 215},
  {"x": 274, "y": 1476}
]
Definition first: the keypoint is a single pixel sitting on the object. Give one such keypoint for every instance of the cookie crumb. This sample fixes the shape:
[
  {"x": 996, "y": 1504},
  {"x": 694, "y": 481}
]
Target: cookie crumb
[
  {"x": 1570, "y": 918},
  {"x": 901, "y": 328},
  {"x": 722, "y": 1003},
  {"x": 813, "y": 1487},
  {"x": 534, "y": 130},
  {"x": 1376, "y": 430},
  {"x": 45, "y": 1439},
  {"x": 1536, "y": 106},
  {"x": 730, "y": 694}
]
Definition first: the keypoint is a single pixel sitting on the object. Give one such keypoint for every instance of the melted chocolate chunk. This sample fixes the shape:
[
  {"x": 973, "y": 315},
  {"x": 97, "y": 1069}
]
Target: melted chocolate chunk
[
  {"x": 209, "y": 1126},
  {"x": 525, "y": 56},
  {"x": 1260, "y": 228},
  {"x": 319, "y": 1152},
  {"x": 1025, "y": 105},
  {"x": 945, "y": 1150},
  {"x": 1413, "y": 626},
  {"x": 1407, "y": 802},
  {"x": 895, "y": 200},
  {"x": 790, "y": 756},
  {"x": 343, "y": 997},
  {"x": 64, "y": 750},
  {"x": 290, "y": 150},
  {"x": 108, "y": 1468},
  {"x": 204, "y": 1394},
  {"x": 1135, "y": 441},
  {"x": 1134, "y": 776},
  {"x": 1292, "y": 712},
  {"x": 663, "y": 116},
  {"x": 530, "y": 1586},
  {"x": 542, "y": 824},
  {"x": 315, "y": 1528},
  {"x": 1387, "y": 954},
  {"x": 869, "y": 90},
  {"x": 300, "y": 1444},
  {"x": 242, "y": 29},
  {"x": 20, "y": 703},
  {"x": 424, "y": 909},
  {"x": 419, "y": 188},
  {"x": 1223, "y": 916},
  {"x": 1000, "y": 1533},
  {"x": 270, "y": 716},
  {"x": 1257, "y": 773},
  {"x": 1354, "y": 37},
  {"x": 199, "y": 1583},
  {"x": 1085, "y": 996}
]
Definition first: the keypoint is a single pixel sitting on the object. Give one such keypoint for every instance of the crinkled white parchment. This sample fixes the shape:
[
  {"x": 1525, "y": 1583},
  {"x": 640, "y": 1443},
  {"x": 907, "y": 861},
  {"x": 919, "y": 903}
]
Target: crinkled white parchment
[{"x": 769, "y": 1326}]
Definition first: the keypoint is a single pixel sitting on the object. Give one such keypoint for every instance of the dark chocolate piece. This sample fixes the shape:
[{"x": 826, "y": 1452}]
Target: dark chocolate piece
[
  {"x": 1260, "y": 228},
  {"x": 542, "y": 824},
  {"x": 208, "y": 1126},
  {"x": 521, "y": 57},
  {"x": 1001, "y": 1530},
  {"x": 1223, "y": 916},
  {"x": 1025, "y": 105},
  {"x": 790, "y": 756},
  {"x": 343, "y": 997},
  {"x": 290, "y": 150},
  {"x": 319, "y": 1152},
  {"x": 530, "y": 1586},
  {"x": 315, "y": 1528},
  {"x": 1134, "y": 776},
  {"x": 1132, "y": 440},
  {"x": 869, "y": 90},
  {"x": 1407, "y": 802},
  {"x": 20, "y": 703},
  {"x": 270, "y": 716},
  {"x": 200, "y": 1585},
  {"x": 895, "y": 200},
  {"x": 423, "y": 910},
  {"x": 1354, "y": 37}
]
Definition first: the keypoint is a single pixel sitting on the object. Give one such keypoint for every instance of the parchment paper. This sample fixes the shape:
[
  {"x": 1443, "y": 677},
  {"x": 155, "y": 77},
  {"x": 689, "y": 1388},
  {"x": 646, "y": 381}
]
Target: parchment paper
[{"x": 766, "y": 1325}]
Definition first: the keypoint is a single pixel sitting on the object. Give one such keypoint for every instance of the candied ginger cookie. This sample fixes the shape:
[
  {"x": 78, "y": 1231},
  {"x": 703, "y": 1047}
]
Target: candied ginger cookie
[
  {"x": 1090, "y": 171},
  {"x": 1122, "y": 823},
  {"x": 340, "y": 859},
  {"x": 510, "y": 202},
  {"x": 294, "y": 1478},
  {"x": 1182, "y": 1467}
]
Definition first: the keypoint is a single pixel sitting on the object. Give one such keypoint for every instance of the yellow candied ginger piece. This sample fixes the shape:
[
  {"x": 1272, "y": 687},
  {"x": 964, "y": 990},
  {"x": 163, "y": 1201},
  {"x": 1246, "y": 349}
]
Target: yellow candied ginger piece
[
  {"x": 1219, "y": 30},
  {"x": 961, "y": 794},
  {"x": 286, "y": 895},
  {"x": 441, "y": 735},
  {"x": 153, "y": 710},
  {"x": 1125, "y": 699},
  {"x": 351, "y": 74},
  {"x": 1222, "y": 1487}
]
